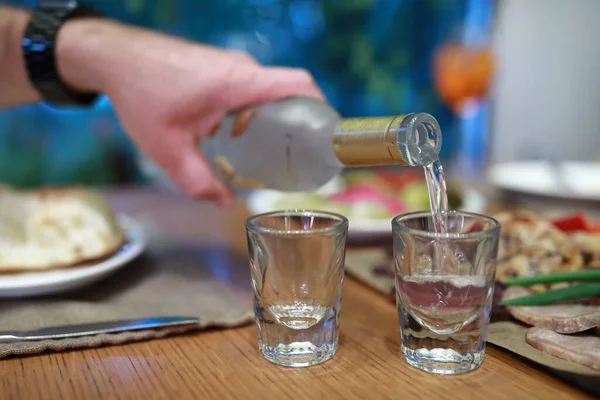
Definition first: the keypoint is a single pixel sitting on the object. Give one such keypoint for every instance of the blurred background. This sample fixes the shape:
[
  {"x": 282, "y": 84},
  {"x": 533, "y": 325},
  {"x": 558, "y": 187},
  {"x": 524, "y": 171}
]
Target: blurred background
[{"x": 507, "y": 80}]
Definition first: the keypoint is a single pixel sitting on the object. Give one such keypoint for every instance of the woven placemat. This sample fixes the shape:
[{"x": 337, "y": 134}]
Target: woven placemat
[{"x": 169, "y": 279}]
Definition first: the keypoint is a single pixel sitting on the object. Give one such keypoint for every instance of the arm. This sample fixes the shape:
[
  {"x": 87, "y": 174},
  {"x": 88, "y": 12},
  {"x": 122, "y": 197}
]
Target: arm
[
  {"x": 168, "y": 93},
  {"x": 92, "y": 55},
  {"x": 80, "y": 62}
]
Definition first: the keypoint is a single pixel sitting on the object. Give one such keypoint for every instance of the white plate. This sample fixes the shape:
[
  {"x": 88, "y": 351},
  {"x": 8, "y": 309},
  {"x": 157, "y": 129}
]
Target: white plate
[
  {"x": 567, "y": 180},
  {"x": 261, "y": 201},
  {"x": 28, "y": 284}
]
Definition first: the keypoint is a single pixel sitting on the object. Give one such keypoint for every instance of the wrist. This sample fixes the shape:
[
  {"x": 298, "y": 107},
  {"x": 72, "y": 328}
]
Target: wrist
[{"x": 83, "y": 51}]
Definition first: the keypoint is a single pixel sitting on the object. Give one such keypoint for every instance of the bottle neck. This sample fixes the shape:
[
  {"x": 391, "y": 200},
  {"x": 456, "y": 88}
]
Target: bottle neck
[{"x": 410, "y": 140}]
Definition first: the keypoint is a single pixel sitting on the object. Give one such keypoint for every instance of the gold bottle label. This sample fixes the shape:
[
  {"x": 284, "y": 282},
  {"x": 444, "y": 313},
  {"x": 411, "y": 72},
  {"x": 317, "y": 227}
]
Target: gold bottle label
[{"x": 368, "y": 141}]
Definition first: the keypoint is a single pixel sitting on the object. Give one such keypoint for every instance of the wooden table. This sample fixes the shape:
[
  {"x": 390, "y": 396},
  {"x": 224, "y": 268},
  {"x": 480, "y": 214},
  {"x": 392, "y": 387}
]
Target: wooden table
[{"x": 225, "y": 364}]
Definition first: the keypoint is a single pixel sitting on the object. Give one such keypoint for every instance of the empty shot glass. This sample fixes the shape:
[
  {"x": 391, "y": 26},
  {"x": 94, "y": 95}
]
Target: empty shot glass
[
  {"x": 297, "y": 266},
  {"x": 444, "y": 288}
]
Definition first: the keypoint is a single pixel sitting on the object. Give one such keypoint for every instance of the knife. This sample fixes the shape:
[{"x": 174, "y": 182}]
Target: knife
[{"x": 75, "y": 331}]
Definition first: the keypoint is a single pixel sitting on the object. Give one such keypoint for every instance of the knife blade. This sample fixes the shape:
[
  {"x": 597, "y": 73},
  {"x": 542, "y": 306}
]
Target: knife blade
[{"x": 80, "y": 330}]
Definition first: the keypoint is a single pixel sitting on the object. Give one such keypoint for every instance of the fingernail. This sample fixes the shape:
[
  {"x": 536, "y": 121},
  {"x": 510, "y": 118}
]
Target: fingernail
[
  {"x": 214, "y": 130},
  {"x": 241, "y": 122}
]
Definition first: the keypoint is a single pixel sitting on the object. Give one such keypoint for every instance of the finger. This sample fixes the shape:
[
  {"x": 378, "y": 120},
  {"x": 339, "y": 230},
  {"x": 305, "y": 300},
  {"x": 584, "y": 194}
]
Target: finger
[
  {"x": 242, "y": 120},
  {"x": 286, "y": 82},
  {"x": 181, "y": 160},
  {"x": 195, "y": 177},
  {"x": 212, "y": 132},
  {"x": 269, "y": 84},
  {"x": 213, "y": 52},
  {"x": 243, "y": 57}
]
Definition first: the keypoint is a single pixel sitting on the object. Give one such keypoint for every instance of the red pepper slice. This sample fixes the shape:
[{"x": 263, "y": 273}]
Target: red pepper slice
[{"x": 575, "y": 222}]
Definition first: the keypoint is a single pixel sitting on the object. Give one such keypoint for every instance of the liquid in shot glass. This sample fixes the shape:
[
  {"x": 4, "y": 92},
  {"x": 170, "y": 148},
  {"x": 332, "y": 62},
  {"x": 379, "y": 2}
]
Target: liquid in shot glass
[
  {"x": 297, "y": 268},
  {"x": 444, "y": 288}
]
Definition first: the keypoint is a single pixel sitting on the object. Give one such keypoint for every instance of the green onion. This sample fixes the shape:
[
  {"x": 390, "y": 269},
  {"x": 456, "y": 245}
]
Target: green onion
[
  {"x": 584, "y": 275},
  {"x": 555, "y": 295}
]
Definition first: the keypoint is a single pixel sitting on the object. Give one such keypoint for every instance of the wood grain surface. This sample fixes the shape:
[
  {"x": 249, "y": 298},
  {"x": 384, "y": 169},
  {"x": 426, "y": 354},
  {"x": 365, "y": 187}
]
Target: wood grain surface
[{"x": 225, "y": 364}]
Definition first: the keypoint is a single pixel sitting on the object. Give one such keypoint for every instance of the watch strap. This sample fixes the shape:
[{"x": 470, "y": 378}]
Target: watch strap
[{"x": 39, "y": 51}]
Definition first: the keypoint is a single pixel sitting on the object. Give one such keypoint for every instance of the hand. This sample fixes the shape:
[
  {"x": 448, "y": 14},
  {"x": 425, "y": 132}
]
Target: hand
[{"x": 169, "y": 93}]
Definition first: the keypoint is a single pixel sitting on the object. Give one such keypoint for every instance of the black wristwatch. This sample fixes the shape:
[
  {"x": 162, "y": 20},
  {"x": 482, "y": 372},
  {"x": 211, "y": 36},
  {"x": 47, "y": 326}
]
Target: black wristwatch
[{"x": 39, "y": 44}]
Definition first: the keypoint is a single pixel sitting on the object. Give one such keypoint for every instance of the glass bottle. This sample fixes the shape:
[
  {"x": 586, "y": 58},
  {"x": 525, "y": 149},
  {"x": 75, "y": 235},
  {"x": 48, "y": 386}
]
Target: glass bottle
[{"x": 300, "y": 144}]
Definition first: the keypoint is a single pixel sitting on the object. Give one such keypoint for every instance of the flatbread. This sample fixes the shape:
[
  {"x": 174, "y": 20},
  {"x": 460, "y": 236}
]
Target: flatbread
[{"x": 55, "y": 228}]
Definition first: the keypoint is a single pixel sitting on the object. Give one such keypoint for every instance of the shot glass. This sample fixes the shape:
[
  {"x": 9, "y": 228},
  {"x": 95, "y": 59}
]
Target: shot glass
[
  {"x": 444, "y": 288},
  {"x": 297, "y": 266}
]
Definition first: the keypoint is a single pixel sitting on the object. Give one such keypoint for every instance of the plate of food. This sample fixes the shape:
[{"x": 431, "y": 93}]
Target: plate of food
[
  {"x": 59, "y": 239},
  {"x": 368, "y": 198}
]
